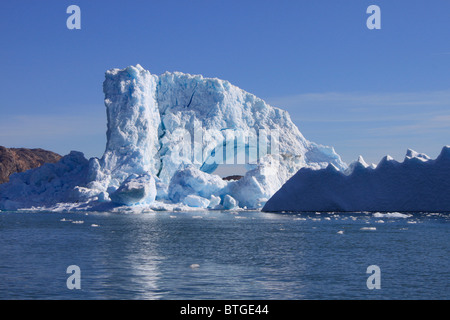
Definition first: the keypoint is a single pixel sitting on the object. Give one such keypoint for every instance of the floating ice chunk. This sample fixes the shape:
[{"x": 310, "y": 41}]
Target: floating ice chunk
[
  {"x": 135, "y": 189},
  {"x": 229, "y": 202},
  {"x": 196, "y": 201},
  {"x": 368, "y": 228},
  {"x": 192, "y": 181},
  {"x": 85, "y": 194},
  {"x": 214, "y": 201},
  {"x": 391, "y": 215}
]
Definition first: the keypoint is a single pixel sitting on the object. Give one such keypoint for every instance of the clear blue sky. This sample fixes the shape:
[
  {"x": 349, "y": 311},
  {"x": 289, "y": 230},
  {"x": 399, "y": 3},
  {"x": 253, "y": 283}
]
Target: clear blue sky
[{"x": 368, "y": 92}]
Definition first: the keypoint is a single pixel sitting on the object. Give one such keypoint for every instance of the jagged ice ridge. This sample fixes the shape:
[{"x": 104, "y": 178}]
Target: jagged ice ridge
[{"x": 418, "y": 184}]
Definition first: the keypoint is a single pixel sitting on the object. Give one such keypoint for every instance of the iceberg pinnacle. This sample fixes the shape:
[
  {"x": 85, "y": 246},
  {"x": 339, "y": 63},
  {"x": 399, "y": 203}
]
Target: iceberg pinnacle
[
  {"x": 445, "y": 154},
  {"x": 359, "y": 163},
  {"x": 170, "y": 132},
  {"x": 411, "y": 154}
]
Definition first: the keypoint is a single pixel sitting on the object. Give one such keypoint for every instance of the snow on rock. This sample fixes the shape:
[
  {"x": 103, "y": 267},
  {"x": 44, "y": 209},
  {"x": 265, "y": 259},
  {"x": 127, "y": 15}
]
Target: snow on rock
[
  {"x": 416, "y": 184},
  {"x": 169, "y": 133}
]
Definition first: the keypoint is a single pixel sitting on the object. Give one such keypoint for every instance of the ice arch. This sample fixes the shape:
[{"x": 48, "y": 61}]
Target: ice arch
[{"x": 148, "y": 150}]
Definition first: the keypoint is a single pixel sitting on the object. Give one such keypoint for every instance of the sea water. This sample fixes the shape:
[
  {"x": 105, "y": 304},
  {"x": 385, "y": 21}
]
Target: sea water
[{"x": 224, "y": 255}]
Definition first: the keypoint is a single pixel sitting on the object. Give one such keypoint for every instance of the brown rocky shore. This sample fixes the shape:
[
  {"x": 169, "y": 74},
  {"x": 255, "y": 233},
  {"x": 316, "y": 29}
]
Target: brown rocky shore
[{"x": 21, "y": 159}]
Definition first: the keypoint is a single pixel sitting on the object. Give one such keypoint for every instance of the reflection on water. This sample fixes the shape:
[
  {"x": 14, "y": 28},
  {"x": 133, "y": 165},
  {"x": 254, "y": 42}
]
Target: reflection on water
[
  {"x": 127, "y": 259},
  {"x": 223, "y": 255},
  {"x": 143, "y": 258}
]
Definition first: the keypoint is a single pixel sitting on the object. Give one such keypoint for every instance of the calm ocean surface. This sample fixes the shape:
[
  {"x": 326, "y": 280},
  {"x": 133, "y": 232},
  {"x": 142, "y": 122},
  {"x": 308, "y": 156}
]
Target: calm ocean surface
[{"x": 223, "y": 255}]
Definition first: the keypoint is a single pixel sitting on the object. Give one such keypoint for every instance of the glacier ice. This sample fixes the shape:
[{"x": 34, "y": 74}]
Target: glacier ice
[
  {"x": 47, "y": 185},
  {"x": 166, "y": 135},
  {"x": 229, "y": 202},
  {"x": 416, "y": 184},
  {"x": 358, "y": 163},
  {"x": 196, "y": 201},
  {"x": 193, "y": 181},
  {"x": 135, "y": 189},
  {"x": 214, "y": 202}
]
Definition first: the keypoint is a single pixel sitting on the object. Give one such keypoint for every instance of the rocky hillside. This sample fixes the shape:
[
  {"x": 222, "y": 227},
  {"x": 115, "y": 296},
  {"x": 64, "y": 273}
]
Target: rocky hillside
[{"x": 20, "y": 159}]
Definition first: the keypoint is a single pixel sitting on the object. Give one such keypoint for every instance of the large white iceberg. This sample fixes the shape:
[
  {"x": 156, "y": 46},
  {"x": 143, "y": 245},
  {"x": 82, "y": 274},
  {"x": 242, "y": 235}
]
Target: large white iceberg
[
  {"x": 166, "y": 135},
  {"x": 416, "y": 184}
]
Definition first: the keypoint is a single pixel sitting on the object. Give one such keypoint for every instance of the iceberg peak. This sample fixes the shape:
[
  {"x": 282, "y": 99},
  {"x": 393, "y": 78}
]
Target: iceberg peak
[
  {"x": 411, "y": 154},
  {"x": 332, "y": 168},
  {"x": 361, "y": 161},
  {"x": 387, "y": 161},
  {"x": 445, "y": 154},
  {"x": 355, "y": 165}
]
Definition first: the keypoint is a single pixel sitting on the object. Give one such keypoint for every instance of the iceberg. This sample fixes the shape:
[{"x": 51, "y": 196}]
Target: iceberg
[
  {"x": 47, "y": 185},
  {"x": 192, "y": 181},
  {"x": 166, "y": 135},
  {"x": 229, "y": 202},
  {"x": 418, "y": 184},
  {"x": 196, "y": 201},
  {"x": 135, "y": 190}
]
